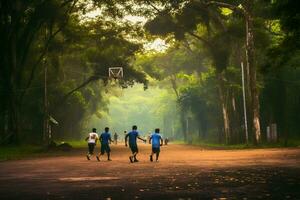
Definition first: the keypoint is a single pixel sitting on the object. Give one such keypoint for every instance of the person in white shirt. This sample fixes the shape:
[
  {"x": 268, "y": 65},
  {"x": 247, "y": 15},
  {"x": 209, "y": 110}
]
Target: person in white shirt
[{"x": 92, "y": 140}]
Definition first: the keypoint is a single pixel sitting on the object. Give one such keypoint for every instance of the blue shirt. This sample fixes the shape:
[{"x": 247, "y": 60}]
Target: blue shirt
[
  {"x": 155, "y": 137},
  {"x": 105, "y": 138},
  {"x": 132, "y": 137}
]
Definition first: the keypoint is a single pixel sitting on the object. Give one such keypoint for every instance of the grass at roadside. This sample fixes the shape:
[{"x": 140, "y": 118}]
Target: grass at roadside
[
  {"x": 209, "y": 145},
  {"x": 15, "y": 152},
  {"x": 19, "y": 152}
]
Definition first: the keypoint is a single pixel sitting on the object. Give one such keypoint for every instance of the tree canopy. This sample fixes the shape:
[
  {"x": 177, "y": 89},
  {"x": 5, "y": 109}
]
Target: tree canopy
[{"x": 55, "y": 55}]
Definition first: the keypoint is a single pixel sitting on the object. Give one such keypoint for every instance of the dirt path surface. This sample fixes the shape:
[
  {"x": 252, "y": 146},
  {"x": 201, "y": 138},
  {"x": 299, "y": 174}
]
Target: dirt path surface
[{"x": 183, "y": 172}]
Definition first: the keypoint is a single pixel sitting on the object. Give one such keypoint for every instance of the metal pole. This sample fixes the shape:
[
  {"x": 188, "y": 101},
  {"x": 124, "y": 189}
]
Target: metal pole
[
  {"x": 188, "y": 131},
  {"x": 244, "y": 102}
]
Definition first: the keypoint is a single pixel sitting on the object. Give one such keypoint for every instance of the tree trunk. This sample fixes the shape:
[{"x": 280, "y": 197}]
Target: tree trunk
[
  {"x": 13, "y": 111},
  {"x": 2, "y": 116},
  {"x": 236, "y": 120},
  {"x": 202, "y": 129},
  {"x": 12, "y": 133},
  {"x": 183, "y": 124},
  {"x": 224, "y": 107},
  {"x": 252, "y": 71},
  {"x": 182, "y": 112}
]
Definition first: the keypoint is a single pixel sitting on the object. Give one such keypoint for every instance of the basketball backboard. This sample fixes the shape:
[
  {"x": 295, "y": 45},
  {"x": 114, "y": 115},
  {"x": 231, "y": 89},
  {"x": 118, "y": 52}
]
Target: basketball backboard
[{"x": 115, "y": 72}]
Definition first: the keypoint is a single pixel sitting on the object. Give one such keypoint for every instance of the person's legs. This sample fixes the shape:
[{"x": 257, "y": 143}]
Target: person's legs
[
  {"x": 157, "y": 155},
  {"x": 152, "y": 153},
  {"x": 156, "y": 152},
  {"x": 135, "y": 154},
  {"x": 151, "y": 157},
  {"x": 134, "y": 151},
  {"x": 131, "y": 159},
  {"x": 102, "y": 151},
  {"x": 91, "y": 150},
  {"x": 108, "y": 153}
]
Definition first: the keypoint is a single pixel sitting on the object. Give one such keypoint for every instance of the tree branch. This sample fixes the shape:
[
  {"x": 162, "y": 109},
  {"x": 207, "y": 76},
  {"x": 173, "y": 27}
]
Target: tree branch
[
  {"x": 224, "y": 5},
  {"x": 174, "y": 85},
  {"x": 187, "y": 46},
  {"x": 153, "y": 6},
  {"x": 92, "y": 78},
  {"x": 230, "y": 6},
  {"x": 206, "y": 42},
  {"x": 65, "y": 97},
  {"x": 38, "y": 62}
]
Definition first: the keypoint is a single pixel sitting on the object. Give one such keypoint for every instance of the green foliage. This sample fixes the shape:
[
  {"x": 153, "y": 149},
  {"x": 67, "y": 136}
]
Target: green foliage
[
  {"x": 198, "y": 76},
  {"x": 150, "y": 109},
  {"x": 288, "y": 13},
  {"x": 77, "y": 54},
  {"x": 19, "y": 152},
  {"x": 280, "y": 96}
]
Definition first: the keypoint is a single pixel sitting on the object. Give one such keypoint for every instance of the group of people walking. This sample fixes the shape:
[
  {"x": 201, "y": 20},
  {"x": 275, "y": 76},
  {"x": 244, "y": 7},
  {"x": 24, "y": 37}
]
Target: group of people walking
[{"x": 105, "y": 139}]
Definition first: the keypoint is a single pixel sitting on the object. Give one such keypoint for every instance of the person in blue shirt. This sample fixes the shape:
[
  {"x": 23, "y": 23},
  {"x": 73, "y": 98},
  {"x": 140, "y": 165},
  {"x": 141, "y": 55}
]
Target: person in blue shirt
[
  {"x": 105, "y": 140},
  {"x": 133, "y": 135},
  {"x": 156, "y": 141}
]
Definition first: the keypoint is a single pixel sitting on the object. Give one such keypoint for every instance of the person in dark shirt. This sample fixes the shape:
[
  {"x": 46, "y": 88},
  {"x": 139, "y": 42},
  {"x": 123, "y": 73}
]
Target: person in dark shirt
[
  {"x": 105, "y": 140},
  {"x": 116, "y": 138},
  {"x": 166, "y": 141},
  {"x": 133, "y": 135},
  {"x": 125, "y": 133}
]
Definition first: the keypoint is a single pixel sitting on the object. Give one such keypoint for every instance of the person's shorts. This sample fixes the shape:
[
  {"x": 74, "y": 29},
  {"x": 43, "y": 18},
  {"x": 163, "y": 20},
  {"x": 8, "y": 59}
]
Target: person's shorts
[
  {"x": 105, "y": 148},
  {"x": 134, "y": 148},
  {"x": 91, "y": 147},
  {"x": 155, "y": 149}
]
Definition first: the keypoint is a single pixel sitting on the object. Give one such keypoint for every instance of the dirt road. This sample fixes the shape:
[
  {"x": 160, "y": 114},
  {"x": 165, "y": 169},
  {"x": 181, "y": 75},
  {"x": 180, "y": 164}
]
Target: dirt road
[{"x": 184, "y": 172}]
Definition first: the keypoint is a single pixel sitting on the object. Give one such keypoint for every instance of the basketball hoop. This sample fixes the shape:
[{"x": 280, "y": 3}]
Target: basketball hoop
[{"x": 115, "y": 72}]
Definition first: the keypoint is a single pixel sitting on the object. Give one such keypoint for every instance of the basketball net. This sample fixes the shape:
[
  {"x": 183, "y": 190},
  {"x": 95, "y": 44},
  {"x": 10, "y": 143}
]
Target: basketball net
[{"x": 115, "y": 72}]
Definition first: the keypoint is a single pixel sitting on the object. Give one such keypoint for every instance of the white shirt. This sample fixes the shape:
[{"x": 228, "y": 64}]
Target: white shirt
[{"x": 92, "y": 137}]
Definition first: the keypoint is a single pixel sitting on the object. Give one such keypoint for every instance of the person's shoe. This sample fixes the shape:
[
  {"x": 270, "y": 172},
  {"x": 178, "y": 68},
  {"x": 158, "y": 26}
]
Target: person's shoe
[
  {"x": 157, "y": 161},
  {"x": 151, "y": 158},
  {"x": 88, "y": 157},
  {"x": 136, "y": 160},
  {"x": 130, "y": 158},
  {"x": 109, "y": 159},
  {"x": 98, "y": 158}
]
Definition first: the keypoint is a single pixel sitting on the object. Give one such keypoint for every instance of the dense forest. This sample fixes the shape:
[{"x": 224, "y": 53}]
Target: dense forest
[{"x": 224, "y": 71}]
